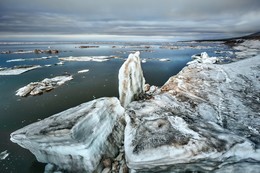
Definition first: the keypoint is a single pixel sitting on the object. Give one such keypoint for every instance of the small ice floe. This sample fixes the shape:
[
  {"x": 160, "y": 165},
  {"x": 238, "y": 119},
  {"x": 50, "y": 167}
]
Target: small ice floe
[
  {"x": 17, "y": 69},
  {"x": 47, "y": 65},
  {"x": 83, "y": 71},
  {"x": 16, "y": 60},
  {"x": 172, "y": 47},
  {"x": 23, "y": 52},
  {"x": 48, "y": 84},
  {"x": 4, "y": 155},
  {"x": 87, "y": 58},
  {"x": 60, "y": 63},
  {"x": 164, "y": 59},
  {"x": 28, "y": 59},
  {"x": 144, "y": 61}
]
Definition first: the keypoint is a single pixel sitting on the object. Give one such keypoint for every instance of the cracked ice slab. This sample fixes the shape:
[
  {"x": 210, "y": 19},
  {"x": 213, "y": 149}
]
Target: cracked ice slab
[{"x": 76, "y": 139}]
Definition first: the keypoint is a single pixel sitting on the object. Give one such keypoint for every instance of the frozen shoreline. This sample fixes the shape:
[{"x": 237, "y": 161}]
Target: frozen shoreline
[{"x": 199, "y": 120}]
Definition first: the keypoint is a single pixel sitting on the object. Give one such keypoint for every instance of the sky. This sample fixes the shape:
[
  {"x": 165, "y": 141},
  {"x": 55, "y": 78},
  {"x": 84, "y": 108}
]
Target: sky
[{"x": 131, "y": 19}]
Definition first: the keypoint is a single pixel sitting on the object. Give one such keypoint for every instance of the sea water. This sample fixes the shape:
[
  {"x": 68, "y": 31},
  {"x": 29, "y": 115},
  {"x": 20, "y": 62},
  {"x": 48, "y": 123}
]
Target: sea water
[{"x": 101, "y": 81}]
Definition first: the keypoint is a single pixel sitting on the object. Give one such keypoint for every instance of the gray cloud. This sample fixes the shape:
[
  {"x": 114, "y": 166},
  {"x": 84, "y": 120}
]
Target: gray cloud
[{"x": 200, "y": 18}]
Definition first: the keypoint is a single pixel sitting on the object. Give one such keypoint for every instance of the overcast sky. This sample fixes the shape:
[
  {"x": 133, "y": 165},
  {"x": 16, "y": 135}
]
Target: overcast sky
[{"x": 174, "y": 19}]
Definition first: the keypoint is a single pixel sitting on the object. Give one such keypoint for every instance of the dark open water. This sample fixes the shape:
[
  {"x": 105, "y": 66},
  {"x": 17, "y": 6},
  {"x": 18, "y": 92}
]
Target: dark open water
[{"x": 100, "y": 81}]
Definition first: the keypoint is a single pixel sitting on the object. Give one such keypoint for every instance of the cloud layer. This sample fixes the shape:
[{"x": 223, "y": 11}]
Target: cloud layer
[{"x": 167, "y": 18}]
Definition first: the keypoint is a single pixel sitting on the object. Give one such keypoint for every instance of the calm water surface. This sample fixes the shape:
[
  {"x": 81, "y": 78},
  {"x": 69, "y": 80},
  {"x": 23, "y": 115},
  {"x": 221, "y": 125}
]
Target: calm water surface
[{"x": 100, "y": 81}]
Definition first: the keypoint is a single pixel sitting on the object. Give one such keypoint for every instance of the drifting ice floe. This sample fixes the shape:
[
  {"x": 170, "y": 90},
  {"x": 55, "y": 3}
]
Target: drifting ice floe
[
  {"x": 17, "y": 70},
  {"x": 164, "y": 59},
  {"x": 36, "y": 88},
  {"x": 4, "y": 155},
  {"x": 28, "y": 59},
  {"x": 87, "y": 58},
  {"x": 83, "y": 71}
]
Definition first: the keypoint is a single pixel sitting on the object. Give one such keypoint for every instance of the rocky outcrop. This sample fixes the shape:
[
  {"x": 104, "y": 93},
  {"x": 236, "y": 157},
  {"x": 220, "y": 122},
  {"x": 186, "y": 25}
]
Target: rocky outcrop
[
  {"x": 201, "y": 121},
  {"x": 48, "y": 84},
  {"x": 78, "y": 139},
  {"x": 131, "y": 80}
]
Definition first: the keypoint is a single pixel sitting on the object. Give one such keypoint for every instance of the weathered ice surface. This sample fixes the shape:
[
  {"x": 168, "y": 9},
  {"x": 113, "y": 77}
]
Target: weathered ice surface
[
  {"x": 77, "y": 139},
  {"x": 131, "y": 79},
  {"x": 206, "y": 118},
  {"x": 36, "y": 88},
  {"x": 17, "y": 70},
  {"x": 203, "y": 58}
]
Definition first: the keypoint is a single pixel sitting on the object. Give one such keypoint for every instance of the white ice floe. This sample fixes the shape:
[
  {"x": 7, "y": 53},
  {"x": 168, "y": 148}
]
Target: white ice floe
[
  {"x": 87, "y": 58},
  {"x": 83, "y": 71},
  {"x": 16, "y": 60},
  {"x": 36, "y": 88},
  {"x": 17, "y": 70},
  {"x": 23, "y": 52},
  {"x": 4, "y": 155},
  {"x": 28, "y": 59},
  {"x": 164, "y": 59},
  {"x": 60, "y": 63}
]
